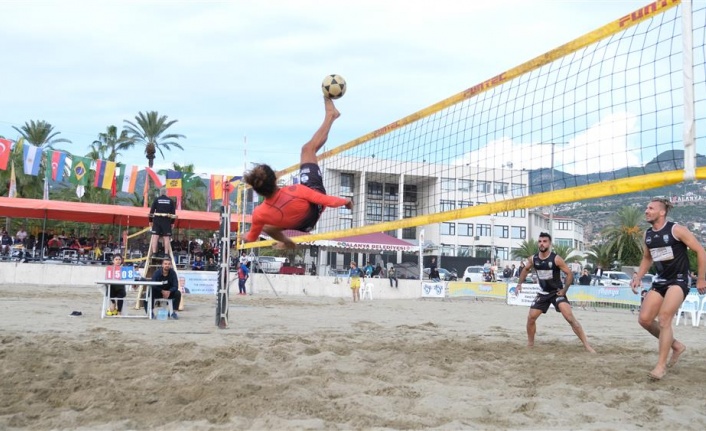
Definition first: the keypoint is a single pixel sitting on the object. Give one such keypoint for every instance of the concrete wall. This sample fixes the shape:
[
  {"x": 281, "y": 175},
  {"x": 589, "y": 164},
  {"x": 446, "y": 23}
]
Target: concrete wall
[{"x": 60, "y": 274}]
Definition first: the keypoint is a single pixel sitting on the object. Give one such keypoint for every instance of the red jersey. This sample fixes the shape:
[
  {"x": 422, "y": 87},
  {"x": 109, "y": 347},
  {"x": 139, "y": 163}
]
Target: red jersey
[{"x": 288, "y": 208}]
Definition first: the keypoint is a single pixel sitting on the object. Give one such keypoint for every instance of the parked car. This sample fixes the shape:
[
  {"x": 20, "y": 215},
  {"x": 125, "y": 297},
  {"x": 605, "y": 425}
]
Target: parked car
[
  {"x": 617, "y": 278},
  {"x": 268, "y": 264},
  {"x": 474, "y": 274},
  {"x": 444, "y": 274},
  {"x": 647, "y": 281}
]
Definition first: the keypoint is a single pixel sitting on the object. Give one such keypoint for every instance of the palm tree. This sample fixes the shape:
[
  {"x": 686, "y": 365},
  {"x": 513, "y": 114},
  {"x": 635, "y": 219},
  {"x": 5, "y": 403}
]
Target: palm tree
[
  {"x": 600, "y": 254},
  {"x": 565, "y": 252},
  {"x": 40, "y": 134},
  {"x": 526, "y": 249},
  {"x": 110, "y": 144},
  {"x": 149, "y": 129},
  {"x": 625, "y": 236},
  {"x": 192, "y": 198}
]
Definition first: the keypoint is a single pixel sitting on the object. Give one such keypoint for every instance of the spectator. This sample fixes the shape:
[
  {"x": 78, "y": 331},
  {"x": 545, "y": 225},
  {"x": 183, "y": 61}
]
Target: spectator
[
  {"x": 377, "y": 272},
  {"x": 211, "y": 265},
  {"x": 54, "y": 245},
  {"x": 197, "y": 264},
  {"x": 243, "y": 275},
  {"x": 354, "y": 276},
  {"x": 6, "y": 243},
  {"x": 392, "y": 275},
  {"x": 507, "y": 274},
  {"x": 368, "y": 270},
  {"x": 585, "y": 279},
  {"x": 433, "y": 271},
  {"x": 21, "y": 236}
]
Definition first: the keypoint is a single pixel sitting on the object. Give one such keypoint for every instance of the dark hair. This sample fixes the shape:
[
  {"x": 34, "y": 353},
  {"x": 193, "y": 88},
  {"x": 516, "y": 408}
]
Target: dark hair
[
  {"x": 262, "y": 179},
  {"x": 668, "y": 205},
  {"x": 545, "y": 235}
]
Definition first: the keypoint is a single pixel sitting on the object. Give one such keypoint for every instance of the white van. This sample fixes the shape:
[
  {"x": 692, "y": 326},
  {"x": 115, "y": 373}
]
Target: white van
[{"x": 473, "y": 274}]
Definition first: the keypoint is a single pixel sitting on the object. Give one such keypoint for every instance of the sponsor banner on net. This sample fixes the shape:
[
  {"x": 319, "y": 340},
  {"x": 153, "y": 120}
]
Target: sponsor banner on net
[{"x": 433, "y": 290}]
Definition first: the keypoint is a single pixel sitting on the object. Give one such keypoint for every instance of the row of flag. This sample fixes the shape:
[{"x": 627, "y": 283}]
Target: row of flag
[{"x": 108, "y": 175}]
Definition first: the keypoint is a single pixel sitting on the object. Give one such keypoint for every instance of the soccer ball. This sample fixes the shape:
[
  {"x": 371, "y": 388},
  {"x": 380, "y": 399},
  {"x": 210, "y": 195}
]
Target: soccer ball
[{"x": 334, "y": 86}]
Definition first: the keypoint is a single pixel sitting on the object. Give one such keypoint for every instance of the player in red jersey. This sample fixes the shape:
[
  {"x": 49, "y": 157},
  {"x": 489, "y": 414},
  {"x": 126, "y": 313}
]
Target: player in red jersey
[{"x": 298, "y": 206}]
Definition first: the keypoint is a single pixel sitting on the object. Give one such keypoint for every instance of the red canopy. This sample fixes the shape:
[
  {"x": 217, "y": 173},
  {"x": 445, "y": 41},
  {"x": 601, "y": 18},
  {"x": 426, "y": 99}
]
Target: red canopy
[{"x": 103, "y": 214}]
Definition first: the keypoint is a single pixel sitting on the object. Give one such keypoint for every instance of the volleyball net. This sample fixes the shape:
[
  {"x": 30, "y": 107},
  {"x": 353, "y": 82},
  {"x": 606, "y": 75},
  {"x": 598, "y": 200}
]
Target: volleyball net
[{"x": 618, "y": 110}]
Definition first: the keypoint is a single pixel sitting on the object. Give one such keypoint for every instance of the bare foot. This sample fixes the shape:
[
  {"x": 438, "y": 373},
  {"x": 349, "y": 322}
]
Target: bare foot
[
  {"x": 331, "y": 110},
  {"x": 657, "y": 373},
  {"x": 589, "y": 349},
  {"x": 530, "y": 345},
  {"x": 677, "y": 349}
]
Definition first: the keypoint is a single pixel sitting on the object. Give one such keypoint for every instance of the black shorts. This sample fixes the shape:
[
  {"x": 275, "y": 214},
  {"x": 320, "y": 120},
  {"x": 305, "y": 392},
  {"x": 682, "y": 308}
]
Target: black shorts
[
  {"x": 162, "y": 226},
  {"x": 310, "y": 176},
  {"x": 542, "y": 302},
  {"x": 662, "y": 288}
]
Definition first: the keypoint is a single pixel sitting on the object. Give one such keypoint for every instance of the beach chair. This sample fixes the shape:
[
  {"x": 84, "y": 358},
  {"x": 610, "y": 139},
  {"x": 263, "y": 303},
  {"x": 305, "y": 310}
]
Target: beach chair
[
  {"x": 366, "y": 290},
  {"x": 701, "y": 312},
  {"x": 689, "y": 306}
]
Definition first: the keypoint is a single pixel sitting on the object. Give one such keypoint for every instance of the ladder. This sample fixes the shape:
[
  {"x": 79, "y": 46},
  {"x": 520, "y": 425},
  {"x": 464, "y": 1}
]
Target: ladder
[{"x": 152, "y": 265}]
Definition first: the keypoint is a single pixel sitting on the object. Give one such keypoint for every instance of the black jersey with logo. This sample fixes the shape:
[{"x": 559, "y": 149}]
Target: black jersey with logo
[
  {"x": 668, "y": 255},
  {"x": 548, "y": 274},
  {"x": 162, "y": 205}
]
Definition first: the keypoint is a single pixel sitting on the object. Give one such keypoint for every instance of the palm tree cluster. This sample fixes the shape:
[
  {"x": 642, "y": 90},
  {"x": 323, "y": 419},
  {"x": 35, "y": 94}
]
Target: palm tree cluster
[{"x": 149, "y": 129}]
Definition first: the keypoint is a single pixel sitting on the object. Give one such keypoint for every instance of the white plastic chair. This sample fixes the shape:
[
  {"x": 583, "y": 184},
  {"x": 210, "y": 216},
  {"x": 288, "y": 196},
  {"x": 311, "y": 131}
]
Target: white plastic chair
[
  {"x": 689, "y": 306},
  {"x": 701, "y": 311},
  {"x": 367, "y": 291}
]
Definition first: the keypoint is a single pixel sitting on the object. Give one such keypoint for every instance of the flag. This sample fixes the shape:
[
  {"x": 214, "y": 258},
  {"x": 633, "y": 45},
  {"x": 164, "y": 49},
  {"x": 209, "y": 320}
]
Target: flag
[
  {"x": 114, "y": 188},
  {"x": 5, "y": 149},
  {"x": 173, "y": 183},
  {"x": 32, "y": 159},
  {"x": 13, "y": 183},
  {"x": 58, "y": 163},
  {"x": 216, "y": 187},
  {"x": 229, "y": 185},
  {"x": 158, "y": 180},
  {"x": 79, "y": 170},
  {"x": 127, "y": 178},
  {"x": 105, "y": 171}
]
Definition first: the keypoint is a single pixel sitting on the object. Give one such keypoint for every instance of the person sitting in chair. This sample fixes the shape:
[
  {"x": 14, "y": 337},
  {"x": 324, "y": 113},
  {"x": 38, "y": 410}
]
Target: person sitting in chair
[{"x": 169, "y": 290}]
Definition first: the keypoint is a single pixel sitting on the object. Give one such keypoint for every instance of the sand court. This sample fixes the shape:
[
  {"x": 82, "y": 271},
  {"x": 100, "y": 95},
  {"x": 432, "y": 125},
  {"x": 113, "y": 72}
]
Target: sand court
[{"x": 325, "y": 363}]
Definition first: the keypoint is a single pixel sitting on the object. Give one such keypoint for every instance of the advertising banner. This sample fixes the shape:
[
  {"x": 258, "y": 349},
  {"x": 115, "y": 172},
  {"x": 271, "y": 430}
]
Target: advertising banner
[
  {"x": 433, "y": 290},
  {"x": 198, "y": 282}
]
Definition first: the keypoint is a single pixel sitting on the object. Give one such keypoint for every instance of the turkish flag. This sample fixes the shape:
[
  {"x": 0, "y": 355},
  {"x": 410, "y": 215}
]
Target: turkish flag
[{"x": 5, "y": 147}]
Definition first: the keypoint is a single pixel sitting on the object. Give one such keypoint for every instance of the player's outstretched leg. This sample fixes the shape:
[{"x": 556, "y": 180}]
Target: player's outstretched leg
[{"x": 309, "y": 150}]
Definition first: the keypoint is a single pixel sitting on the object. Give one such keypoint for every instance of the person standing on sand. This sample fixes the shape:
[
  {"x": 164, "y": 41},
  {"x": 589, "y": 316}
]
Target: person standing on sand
[
  {"x": 665, "y": 247},
  {"x": 549, "y": 265}
]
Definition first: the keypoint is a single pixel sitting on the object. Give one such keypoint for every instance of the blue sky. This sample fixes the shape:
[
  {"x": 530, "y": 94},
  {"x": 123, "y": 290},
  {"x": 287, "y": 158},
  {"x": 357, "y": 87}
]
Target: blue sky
[{"x": 243, "y": 78}]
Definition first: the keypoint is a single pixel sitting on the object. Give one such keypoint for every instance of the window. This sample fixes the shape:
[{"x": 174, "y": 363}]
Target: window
[
  {"x": 392, "y": 233},
  {"x": 448, "y": 184},
  {"x": 448, "y": 228},
  {"x": 374, "y": 211},
  {"x": 517, "y": 189},
  {"x": 503, "y": 214},
  {"x": 567, "y": 242},
  {"x": 344, "y": 211},
  {"x": 448, "y": 205},
  {"x": 483, "y": 251},
  {"x": 483, "y": 230},
  {"x": 447, "y": 249},
  {"x": 502, "y": 231},
  {"x": 347, "y": 184},
  {"x": 483, "y": 187},
  {"x": 345, "y": 223},
  {"x": 465, "y": 229},
  {"x": 409, "y": 233},
  {"x": 410, "y": 193},
  {"x": 465, "y": 185},
  {"x": 410, "y": 211},
  {"x": 563, "y": 225},
  {"x": 518, "y": 232},
  {"x": 464, "y": 204},
  {"x": 464, "y": 251},
  {"x": 518, "y": 213},
  {"x": 374, "y": 190},
  {"x": 391, "y": 192},
  {"x": 390, "y": 212},
  {"x": 502, "y": 253},
  {"x": 500, "y": 188}
]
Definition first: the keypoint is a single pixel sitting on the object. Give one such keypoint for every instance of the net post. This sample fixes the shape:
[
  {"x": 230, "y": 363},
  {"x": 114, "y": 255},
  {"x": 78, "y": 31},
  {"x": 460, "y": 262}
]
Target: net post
[
  {"x": 688, "y": 76},
  {"x": 223, "y": 285}
]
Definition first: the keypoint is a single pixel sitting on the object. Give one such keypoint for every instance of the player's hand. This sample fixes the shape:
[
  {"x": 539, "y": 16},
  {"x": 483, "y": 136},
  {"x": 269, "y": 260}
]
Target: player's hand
[
  {"x": 634, "y": 285},
  {"x": 561, "y": 292},
  {"x": 519, "y": 287},
  {"x": 349, "y": 204},
  {"x": 701, "y": 286}
]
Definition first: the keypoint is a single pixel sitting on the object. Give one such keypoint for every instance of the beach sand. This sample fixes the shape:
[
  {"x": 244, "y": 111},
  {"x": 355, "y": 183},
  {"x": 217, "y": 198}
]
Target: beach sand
[{"x": 322, "y": 363}]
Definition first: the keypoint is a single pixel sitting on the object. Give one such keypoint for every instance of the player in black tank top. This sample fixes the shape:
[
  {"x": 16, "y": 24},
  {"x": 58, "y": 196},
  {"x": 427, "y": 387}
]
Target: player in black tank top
[
  {"x": 549, "y": 266},
  {"x": 665, "y": 247}
]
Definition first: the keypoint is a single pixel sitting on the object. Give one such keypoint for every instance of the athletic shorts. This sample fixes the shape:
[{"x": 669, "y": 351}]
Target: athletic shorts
[
  {"x": 310, "y": 176},
  {"x": 662, "y": 288},
  {"x": 355, "y": 282},
  {"x": 162, "y": 226},
  {"x": 542, "y": 302}
]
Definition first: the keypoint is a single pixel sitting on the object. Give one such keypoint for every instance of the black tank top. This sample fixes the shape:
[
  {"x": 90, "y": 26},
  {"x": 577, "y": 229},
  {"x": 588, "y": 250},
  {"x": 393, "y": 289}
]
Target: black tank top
[
  {"x": 548, "y": 274},
  {"x": 668, "y": 255}
]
